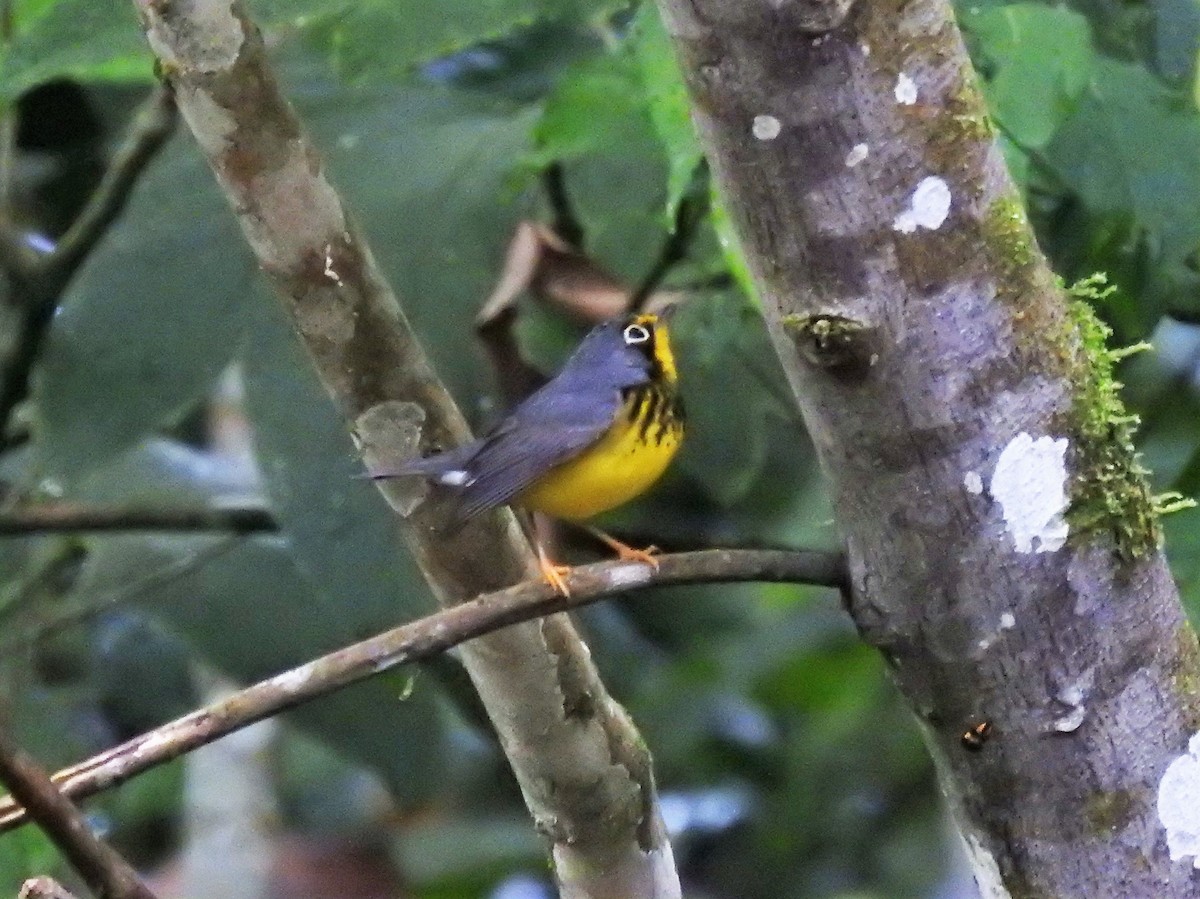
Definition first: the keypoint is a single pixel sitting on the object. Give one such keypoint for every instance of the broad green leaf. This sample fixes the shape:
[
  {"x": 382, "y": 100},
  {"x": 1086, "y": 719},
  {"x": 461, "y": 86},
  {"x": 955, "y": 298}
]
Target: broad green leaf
[
  {"x": 619, "y": 191},
  {"x": 1177, "y": 37},
  {"x": 24, "y": 854},
  {"x": 596, "y": 106},
  {"x": 666, "y": 95},
  {"x": 85, "y": 39},
  {"x": 1128, "y": 154},
  {"x": 374, "y": 39},
  {"x": 427, "y": 170},
  {"x": 1037, "y": 60},
  {"x": 364, "y": 39},
  {"x": 344, "y": 536},
  {"x": 160, "y": 308},
  {"x": 1182, "y": 532},
  {"x": 724, "y": 352},
  {"x": 247, "y": 610},
  {"x": 154, "y": 316}
]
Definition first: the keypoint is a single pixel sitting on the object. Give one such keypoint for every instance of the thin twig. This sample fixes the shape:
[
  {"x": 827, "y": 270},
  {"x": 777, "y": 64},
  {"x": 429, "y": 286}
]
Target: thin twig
[
  {"x": 152, "y": 125},
  {"x": 422, "y": 639},
  {"x": 565, "y": 222},
  {"x": 51, "y": 518},
  {"x": 689, "y": 215},
  {"x": 99, "y": 602},
  {"x": 103, "y": 869},
  {"x": 39, "y": 282}
]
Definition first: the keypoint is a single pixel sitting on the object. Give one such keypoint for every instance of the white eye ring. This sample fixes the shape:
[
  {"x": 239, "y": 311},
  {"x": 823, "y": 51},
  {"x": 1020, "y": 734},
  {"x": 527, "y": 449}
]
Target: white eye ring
[{"x": 635, "y": 334}]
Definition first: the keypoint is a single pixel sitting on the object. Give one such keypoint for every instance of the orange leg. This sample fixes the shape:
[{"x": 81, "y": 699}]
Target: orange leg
[
  {"x": 624, "y": 551},
  {"x": 552, "y": 573}
]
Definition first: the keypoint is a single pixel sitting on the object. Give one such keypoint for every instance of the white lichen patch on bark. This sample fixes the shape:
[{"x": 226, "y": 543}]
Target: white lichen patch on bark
[
  {"x": 330, "y": 272},
  {"x": 766, "y": 127},
  {"x": 1030, "y": 483},
  {"x": 973, "y": 482},
  {"x": 856, "y": 155},
  {"x": 295, "y": 679},
  {"x": 985, "y": 869},
  {"x": 629, "y": 575},
  {"x": 1007, "y": 621},
  {"x": 201, "y": 35},
  {"x": 1179, "y": 804},
  {"x": 928, "y": 207},
  {"x": 906, "y": 90}
]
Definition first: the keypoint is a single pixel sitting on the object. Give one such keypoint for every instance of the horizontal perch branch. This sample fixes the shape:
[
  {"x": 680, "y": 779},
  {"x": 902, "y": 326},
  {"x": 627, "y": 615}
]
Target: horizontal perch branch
[{"x": 422, "y": 639}]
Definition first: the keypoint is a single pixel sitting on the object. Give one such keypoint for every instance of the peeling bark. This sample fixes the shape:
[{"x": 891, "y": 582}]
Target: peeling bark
[
  {"x": 1025, "y": 608},
  {"x": 584, "y": 772}
]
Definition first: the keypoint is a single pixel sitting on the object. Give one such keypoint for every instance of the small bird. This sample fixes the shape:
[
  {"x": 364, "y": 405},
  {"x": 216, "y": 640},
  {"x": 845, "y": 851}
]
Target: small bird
[{"x": 598, "y": 434}]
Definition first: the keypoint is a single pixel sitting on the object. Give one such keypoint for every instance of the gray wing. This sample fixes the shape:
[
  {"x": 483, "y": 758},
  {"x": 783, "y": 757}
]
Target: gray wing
[
  {"x": 554, "y": 424},
  {"x": 549, "y": 428},
  {"x": 509, "y": 463}
]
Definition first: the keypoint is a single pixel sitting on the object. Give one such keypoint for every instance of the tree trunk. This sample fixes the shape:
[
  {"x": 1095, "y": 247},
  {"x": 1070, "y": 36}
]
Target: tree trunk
[{"x": 1003, "y": 547}]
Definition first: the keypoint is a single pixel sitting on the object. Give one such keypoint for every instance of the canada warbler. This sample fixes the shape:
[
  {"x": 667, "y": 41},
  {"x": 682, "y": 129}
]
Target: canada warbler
[{"x": 595, "y": 436}]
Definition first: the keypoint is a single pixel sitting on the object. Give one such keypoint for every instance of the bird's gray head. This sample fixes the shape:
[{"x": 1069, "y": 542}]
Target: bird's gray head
[{"x": 618, "y": 353}]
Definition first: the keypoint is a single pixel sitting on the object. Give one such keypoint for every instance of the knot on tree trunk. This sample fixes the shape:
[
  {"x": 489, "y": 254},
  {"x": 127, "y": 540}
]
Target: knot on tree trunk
[{"x": 844, "y": 347}]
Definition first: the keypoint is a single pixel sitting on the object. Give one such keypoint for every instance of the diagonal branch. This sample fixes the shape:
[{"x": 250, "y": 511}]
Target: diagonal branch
[
  {"x": 586, "y": 779},
  {"x": 38, "y": 282},
  {"x": 423, "y": 639},
  {"x": 153, "y": 123},
  {"x": 104, "y": 870}
]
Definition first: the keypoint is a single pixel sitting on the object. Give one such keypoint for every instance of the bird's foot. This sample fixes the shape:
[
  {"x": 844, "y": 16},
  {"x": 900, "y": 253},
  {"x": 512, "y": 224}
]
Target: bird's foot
[
  {"x": 552, "y": 573},
  {"x": 625, "y": 552}
]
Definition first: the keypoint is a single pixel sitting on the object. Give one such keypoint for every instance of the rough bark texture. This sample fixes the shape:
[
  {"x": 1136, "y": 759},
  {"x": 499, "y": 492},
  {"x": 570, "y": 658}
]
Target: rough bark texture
[
  {"x": 1046, "y": 656},
  {"x": 584, "y": 771}
]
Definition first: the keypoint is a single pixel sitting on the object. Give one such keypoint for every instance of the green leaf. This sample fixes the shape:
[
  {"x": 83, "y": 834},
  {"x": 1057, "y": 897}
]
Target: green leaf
[
  {"x": 247, "y": 610},
  {"x": 340, "y": 529},
  {"x": 160, "y": 308},
  {"x": 85, "y": 39},
  {"x": 597, "y": 105},
  {"x": 427, "y": 171},
  {"x": 374, "y": 39},
  {"x": 151, "y": 320},
  {"x": 1182, "y": 539},
  {"x": 363, "y": 39},
  {"x": 1177, "y": 37},
  {"x": 667, "y": 98},
  {"x": 24, "y": 854},
  {"x": 1128, "y": 155},
  {"x": 720, "y": 342},
  {"x": 1038, "y": 59}
]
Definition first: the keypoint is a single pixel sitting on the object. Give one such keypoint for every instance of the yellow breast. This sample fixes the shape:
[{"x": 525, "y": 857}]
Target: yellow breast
[{"x": 626, "y": 461}]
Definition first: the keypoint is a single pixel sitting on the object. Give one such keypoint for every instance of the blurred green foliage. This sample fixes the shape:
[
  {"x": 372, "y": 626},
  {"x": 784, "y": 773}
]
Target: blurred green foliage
[{"x": 787, "y": 764}]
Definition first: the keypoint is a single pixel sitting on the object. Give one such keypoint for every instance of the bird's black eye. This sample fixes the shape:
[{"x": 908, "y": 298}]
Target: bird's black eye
[{"x": 635, "y": 334}]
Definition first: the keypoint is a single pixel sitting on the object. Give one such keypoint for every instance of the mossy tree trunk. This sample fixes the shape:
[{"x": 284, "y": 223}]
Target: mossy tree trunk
[{"x": 1003, "y": 546}]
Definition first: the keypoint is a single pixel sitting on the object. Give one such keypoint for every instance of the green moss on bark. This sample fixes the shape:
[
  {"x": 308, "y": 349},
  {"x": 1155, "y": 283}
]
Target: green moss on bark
[
  {"x": 1109, "y": 490},
  {"x": 1009, "y": 240}
]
